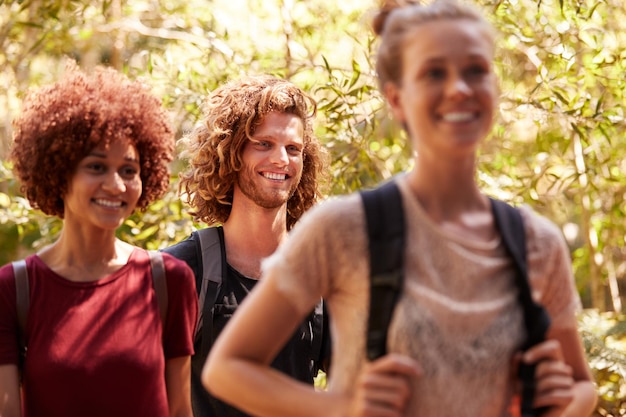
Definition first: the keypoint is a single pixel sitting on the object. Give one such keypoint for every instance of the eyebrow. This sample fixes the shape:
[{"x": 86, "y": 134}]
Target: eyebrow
[
  {"x": 470, "y": 57},
  {"x": 100, "y": 155},
  {"x": 258, "y": 136}
]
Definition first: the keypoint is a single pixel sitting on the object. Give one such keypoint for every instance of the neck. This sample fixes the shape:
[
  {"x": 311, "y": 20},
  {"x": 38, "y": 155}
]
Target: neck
[
  {"x": 454, "y": 202},
  {"x": 81, "y": 257},
  {"x": 446, "y": 191},
  {"x": 251, "y": 235}
]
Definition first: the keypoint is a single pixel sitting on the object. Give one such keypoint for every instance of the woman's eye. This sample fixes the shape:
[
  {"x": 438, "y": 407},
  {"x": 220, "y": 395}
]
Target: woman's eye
[
  {"x": 436, "y": 73},
  {"x": 96, "y": 167},
  {"x": 476, "y": 70},
  {"x": 130, "y": 172}
]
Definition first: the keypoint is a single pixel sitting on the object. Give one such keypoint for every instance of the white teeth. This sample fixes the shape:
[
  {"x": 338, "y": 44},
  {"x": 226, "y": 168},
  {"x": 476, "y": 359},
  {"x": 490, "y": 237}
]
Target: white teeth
[
  {"x": 273, "y": 176},
  {"x": 458, "y": 117},
  {"x": 108, "y": 203}
]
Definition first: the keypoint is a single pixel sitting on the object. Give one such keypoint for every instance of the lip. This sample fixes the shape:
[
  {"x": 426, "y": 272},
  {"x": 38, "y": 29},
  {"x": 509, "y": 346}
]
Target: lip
[
  {"x": 108, "y": 203},
  {"x": 459, "y": 116},
  {"x": 275, "y": 176}
]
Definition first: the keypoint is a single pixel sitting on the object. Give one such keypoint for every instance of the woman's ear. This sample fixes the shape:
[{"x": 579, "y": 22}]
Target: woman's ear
[{"x": 392, "y": 95}]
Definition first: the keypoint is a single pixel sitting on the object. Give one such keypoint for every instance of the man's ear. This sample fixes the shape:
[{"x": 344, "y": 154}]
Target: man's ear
[{"x": 392, "y": 94}]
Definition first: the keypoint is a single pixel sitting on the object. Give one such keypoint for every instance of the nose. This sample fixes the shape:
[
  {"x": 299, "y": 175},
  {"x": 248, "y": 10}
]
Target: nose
[
  {"x": 279, "y": 156},
  {"x": 458, "y": 86},
  {"x": 113, "y": 183}
]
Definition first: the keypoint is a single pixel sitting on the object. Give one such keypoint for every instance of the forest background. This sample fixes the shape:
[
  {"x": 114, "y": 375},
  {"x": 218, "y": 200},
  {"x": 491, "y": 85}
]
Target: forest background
[{"x": 558, "y": 144}]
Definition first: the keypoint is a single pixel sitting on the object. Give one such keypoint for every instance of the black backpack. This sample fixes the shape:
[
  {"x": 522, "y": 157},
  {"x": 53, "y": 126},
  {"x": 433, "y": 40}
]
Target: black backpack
[
  {"x": 204, "y": 251},
  {"x": 210, "y": 244},
  {"x": 385, "y": 227}
]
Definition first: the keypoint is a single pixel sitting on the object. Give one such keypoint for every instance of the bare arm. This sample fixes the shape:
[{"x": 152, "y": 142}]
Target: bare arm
[
  {"x": 10, "y": 403},
  {"x": 178, "y": 382},
  {"x": 564, "y": 381},
  {"x": 238, "y": 370}
]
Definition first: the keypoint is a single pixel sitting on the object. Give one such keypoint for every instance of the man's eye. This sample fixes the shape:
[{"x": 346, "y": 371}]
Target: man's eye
[
  {"x": 294, "y": 150},
  {"x": 260, "y": 143}
]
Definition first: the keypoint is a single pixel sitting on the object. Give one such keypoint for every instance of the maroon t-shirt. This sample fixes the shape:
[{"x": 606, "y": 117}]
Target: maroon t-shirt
[{"x": 97, "y": 348}]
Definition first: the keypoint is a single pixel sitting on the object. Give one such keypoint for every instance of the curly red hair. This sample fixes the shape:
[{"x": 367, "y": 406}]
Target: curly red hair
[{"x": 62, "y": 122}]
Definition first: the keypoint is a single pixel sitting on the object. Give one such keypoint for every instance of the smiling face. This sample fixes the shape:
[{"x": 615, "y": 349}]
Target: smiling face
[
  {"x": 448, "y": 91},
  {"x": 273, "y": 161},
  {"x": 105, "y": 187}
]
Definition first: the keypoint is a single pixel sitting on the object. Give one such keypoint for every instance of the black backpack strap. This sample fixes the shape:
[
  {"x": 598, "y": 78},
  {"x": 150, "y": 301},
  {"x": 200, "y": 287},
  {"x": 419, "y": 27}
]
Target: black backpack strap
[
  {"x": 159, "y": 282},
  {"x": 325, "y": 340},
  {"x": 510, "y": 224},
  {"x": 317, "y": 334},
  {"x": 22, "y": 299},
  {"x": 213, "y": 252},
  {"x": 385, "y": 227}
]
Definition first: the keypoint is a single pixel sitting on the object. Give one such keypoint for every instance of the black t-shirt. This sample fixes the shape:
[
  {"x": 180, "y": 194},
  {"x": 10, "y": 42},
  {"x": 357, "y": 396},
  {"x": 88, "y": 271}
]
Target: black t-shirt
[{"x": 305, "y": 343}]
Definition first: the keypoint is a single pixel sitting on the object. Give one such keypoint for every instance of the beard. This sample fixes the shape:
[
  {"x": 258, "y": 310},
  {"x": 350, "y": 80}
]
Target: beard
[{"x": 265, "y": 197}]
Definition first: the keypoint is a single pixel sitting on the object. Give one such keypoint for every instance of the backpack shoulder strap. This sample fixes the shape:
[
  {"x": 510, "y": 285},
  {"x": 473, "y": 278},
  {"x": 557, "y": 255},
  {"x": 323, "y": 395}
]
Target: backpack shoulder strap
[
  {"x": 510, "y": 224},
  {"x": 384, "y": 216},
  {"x": 22, "y": 292},
  {"x": 22, "y": 299},
  {"x": 318, "y": 317},
  {"x": 211, "y": 240},
  {"x": 536, "y": 320},
  {"x": 159, "y": 282}
]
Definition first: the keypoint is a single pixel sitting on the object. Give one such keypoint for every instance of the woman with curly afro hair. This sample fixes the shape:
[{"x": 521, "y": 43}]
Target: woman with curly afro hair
[{"x": 100, "y": 339}]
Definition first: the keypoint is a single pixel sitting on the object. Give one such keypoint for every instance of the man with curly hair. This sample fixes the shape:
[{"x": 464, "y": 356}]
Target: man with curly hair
[
  {"x": 90, "y": 149},
  {"x": 254, "y": 169}
]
